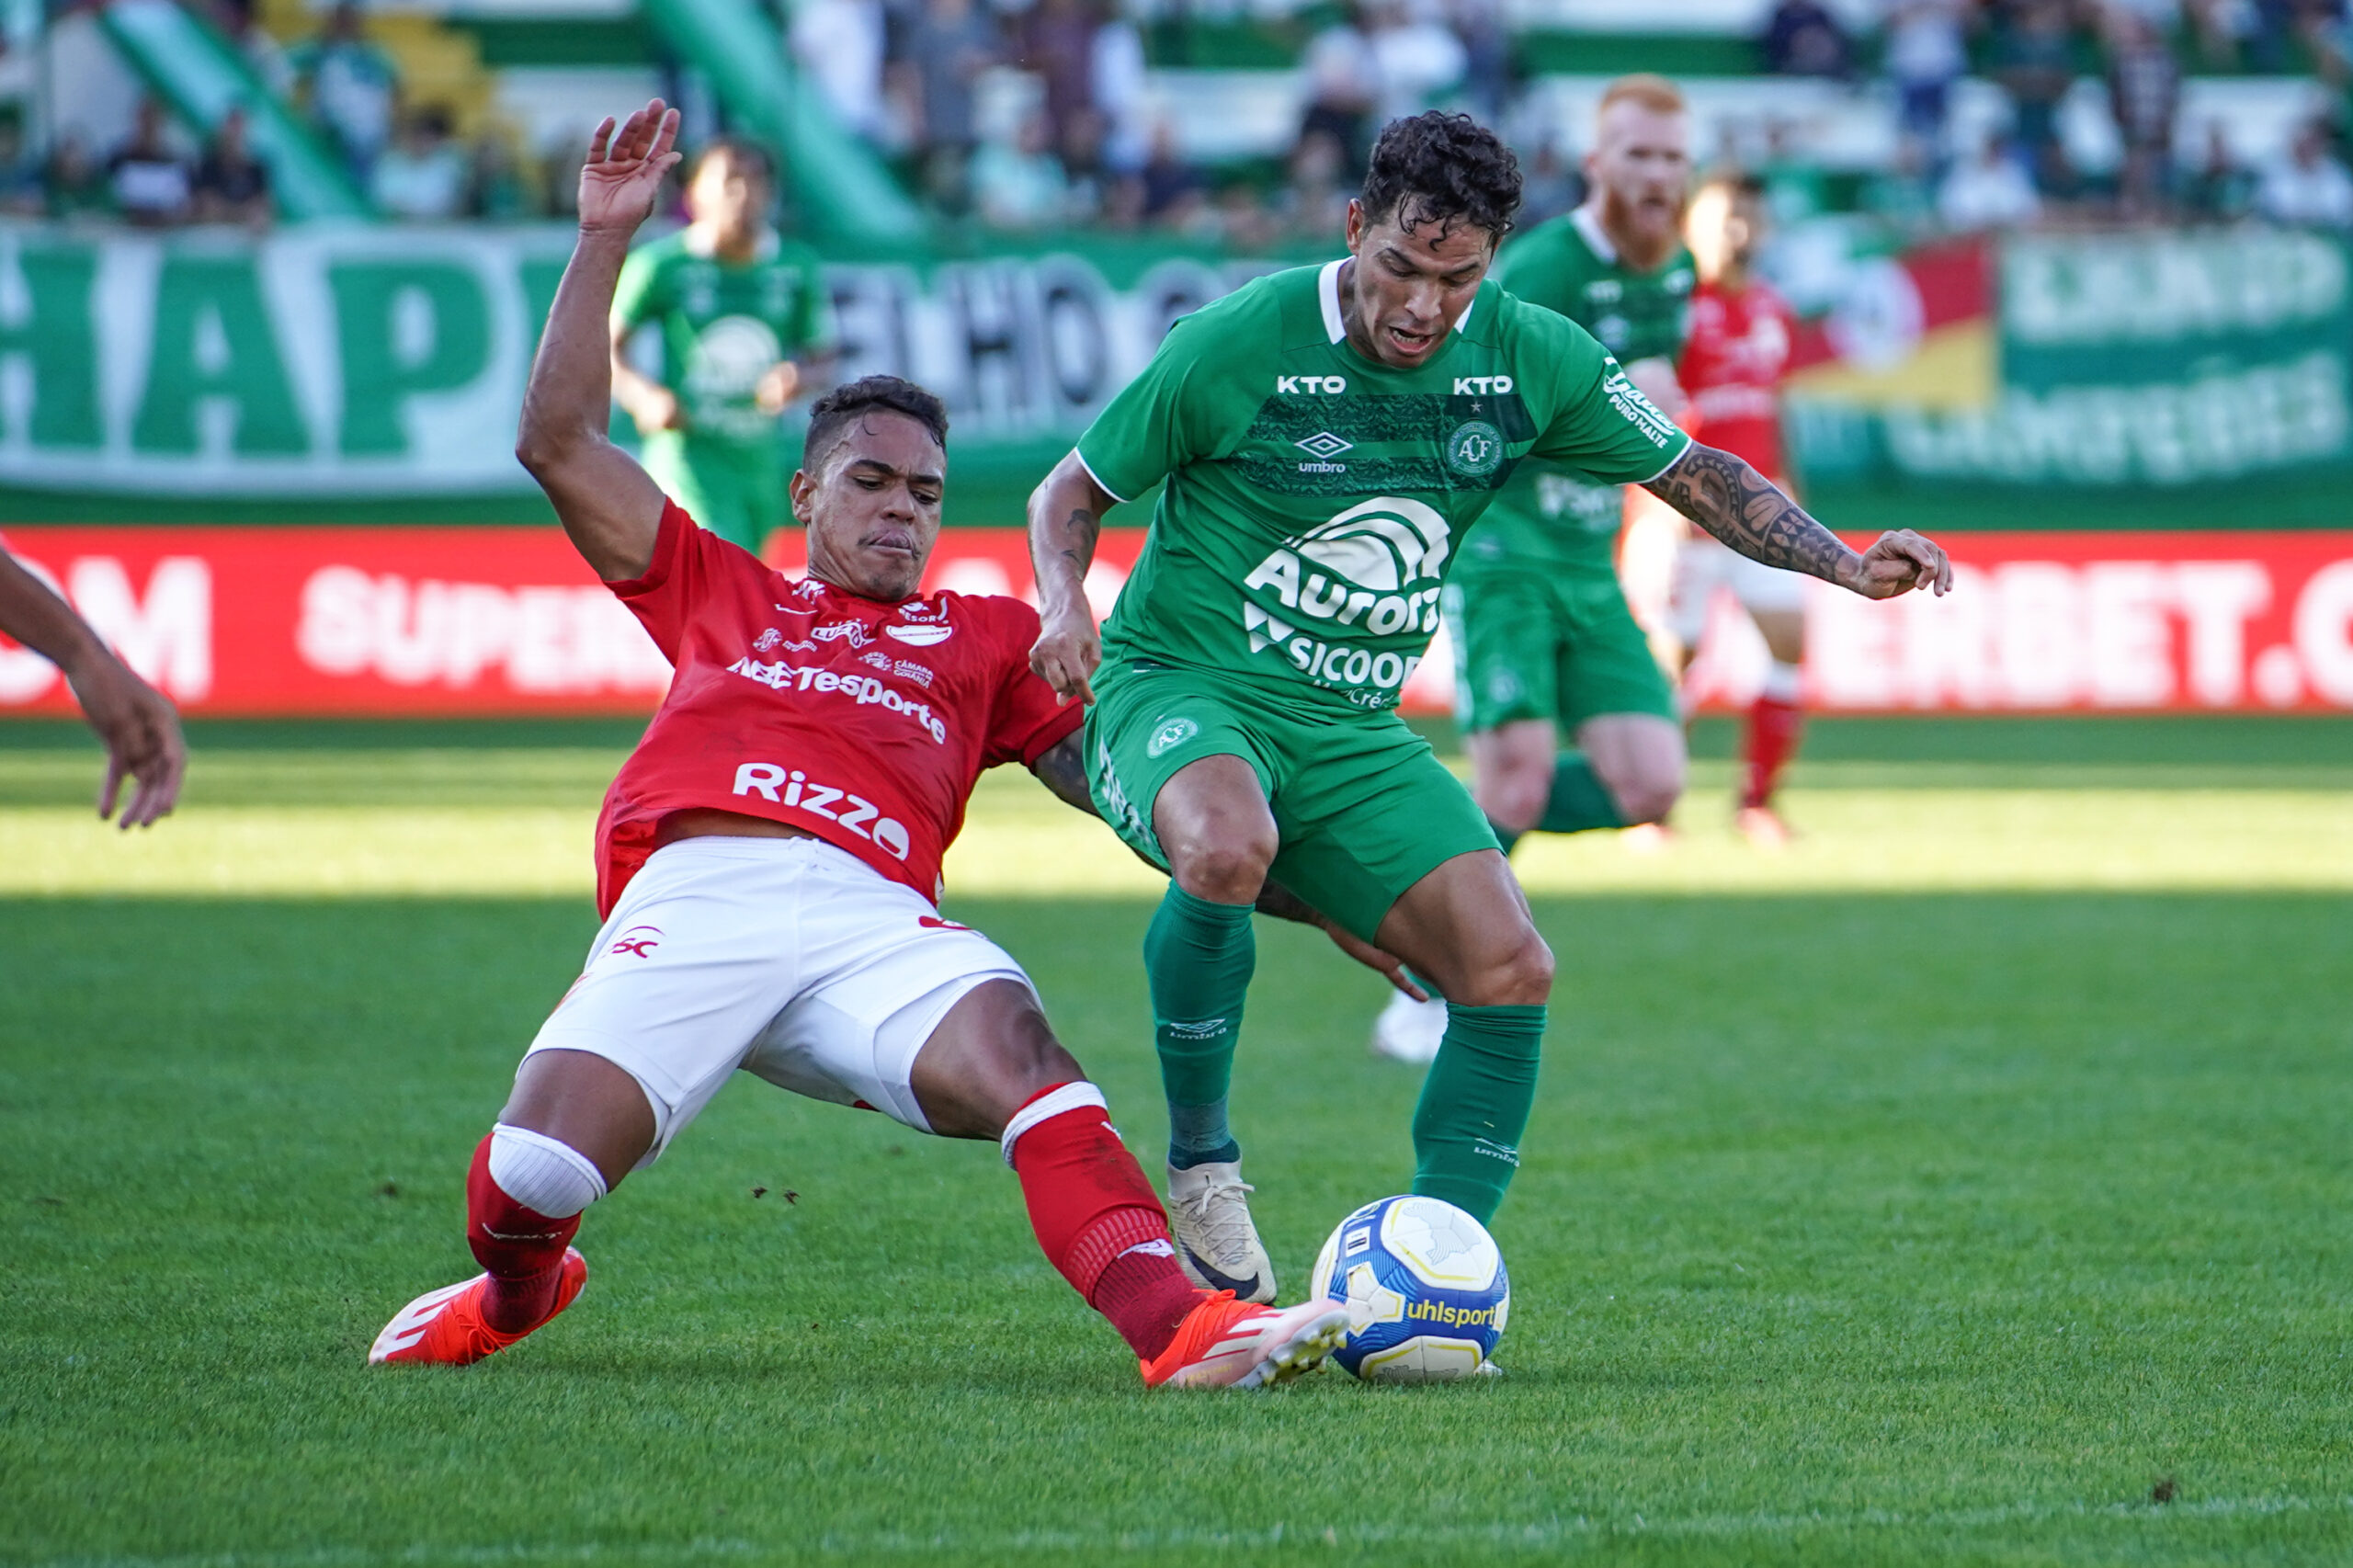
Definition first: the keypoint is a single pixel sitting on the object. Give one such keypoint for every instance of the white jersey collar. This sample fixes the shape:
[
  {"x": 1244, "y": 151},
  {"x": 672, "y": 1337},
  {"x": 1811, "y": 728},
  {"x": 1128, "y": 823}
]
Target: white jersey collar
[
  {"x": 1327, "y": 294},
  {"x": 703, "y": 247},
  {"x": 1587, "y": 220}
]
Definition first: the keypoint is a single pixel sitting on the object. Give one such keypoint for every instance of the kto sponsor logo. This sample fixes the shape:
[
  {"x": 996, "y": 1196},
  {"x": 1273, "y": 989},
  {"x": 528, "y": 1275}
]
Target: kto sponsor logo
[
  {"x": 1482, "y": 386},
  {"x": 1330, "y": 386},
  {"x": 778, "y": 785},
  {"x": 866, "y": 691}
]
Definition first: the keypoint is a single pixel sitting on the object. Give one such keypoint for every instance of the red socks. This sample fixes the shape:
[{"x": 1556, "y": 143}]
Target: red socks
[
  {"x": 522, "y": 1250},
  {"x": 1774, "y": 727},
  {"x": 1096, "y": 1217}
]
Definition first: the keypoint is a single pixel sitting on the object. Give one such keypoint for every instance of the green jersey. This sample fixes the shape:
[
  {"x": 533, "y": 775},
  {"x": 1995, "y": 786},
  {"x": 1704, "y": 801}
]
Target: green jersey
[
  {"x": 723, "y": 324},
  {"x": 1314, "y": 497},
  {"x": 1555, "y": 514}
]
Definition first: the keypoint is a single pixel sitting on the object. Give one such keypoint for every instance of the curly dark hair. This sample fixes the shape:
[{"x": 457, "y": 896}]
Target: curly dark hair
[
  {"x": 1445, "y": 169},
  {"x": 840, "y": 408}
]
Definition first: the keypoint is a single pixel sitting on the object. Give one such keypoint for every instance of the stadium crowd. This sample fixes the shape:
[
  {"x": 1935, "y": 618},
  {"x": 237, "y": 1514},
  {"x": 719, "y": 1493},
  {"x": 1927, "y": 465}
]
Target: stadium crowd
[{"x": 1027, "y": 116}]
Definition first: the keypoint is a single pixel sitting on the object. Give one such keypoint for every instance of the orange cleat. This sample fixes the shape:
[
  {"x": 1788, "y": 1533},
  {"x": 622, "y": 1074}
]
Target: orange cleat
[
  {"x": 1226, "y": 1343},
  {"x": 1763, "y": 829},
  {"x": 445, "y": 1328}
]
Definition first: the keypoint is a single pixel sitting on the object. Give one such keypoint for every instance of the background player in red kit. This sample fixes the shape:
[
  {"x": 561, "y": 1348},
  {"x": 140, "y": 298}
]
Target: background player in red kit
[
  {"x": 769, "y": 858},
  {"x": 1730, "y": 372}
]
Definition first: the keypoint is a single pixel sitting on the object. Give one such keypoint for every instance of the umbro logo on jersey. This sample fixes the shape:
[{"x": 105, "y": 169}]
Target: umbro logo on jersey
[
  {"x": 1330, "y": 386},
  {"x": 1324, "y": 444}
]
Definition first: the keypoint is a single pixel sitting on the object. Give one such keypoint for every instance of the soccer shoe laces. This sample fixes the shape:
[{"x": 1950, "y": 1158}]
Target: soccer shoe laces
[{"x": 1220, "y": 1217}]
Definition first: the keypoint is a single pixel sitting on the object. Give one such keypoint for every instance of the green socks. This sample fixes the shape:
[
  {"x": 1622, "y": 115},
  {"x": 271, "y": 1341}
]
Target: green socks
[
  {"x": 1578, "y": 802},
  {"x": 1199, "y": 957},
  {"x": 1474, "y": 1106}
]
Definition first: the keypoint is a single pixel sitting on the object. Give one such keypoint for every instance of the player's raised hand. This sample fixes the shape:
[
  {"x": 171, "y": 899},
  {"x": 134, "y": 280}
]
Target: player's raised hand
[
  {"x": 622, "y": 177},
  {"x": 1899, "y": 562},
  {"x": 1067, "y": 651}
]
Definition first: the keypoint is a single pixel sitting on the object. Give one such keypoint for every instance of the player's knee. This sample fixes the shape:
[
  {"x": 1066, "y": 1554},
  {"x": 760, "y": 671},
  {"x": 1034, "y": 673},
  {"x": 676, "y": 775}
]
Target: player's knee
[
  {"x": 1519, "y": 974},
  {"x": 1646, "y": 790},
  {"x": 1513, "y": 793},
  {"x": 1228, "y": 869}
]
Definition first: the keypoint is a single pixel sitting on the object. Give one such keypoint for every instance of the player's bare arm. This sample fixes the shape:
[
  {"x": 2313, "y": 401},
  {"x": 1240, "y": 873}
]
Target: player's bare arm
[
  {"x": 611, "y": 507},
  {"x": 135, "y": 722},
  {"x": 1066, "y": 519},
  {"x": 1751, "y": 513}
]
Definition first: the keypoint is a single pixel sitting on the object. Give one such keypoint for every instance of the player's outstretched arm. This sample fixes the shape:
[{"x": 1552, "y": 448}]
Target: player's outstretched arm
[
  {"x": 1749, "y": 512},
  {"x": 1066, "y": 518},
  {"x": 136, "y": 723},
  {"x": 610, "y": 507}
]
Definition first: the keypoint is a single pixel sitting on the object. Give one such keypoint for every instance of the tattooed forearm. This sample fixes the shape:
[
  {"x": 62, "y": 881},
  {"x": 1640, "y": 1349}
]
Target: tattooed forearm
[
  {"x": 1066, "y": 520},
  {"x": 1062, "y": 769},
  {"x": 1748, "y": 512}
]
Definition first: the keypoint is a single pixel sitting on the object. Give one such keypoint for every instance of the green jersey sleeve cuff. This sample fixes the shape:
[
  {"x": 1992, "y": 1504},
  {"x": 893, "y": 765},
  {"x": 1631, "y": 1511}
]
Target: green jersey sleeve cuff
[
  {"x": 1681, "y": 447},
  {"x": 1095, "y": 474}
]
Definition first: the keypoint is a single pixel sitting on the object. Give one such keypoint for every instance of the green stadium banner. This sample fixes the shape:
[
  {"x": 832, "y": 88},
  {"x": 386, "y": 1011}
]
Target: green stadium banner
[{"x": 363, "y": 374}]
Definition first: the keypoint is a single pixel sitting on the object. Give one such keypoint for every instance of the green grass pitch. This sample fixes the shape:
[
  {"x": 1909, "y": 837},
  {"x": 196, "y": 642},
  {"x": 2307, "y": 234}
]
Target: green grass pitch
[{"x": 1860, "y": 1228}]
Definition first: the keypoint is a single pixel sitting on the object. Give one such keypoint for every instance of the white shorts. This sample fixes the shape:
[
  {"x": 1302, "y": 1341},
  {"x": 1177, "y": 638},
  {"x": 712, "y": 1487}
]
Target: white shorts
[
  {"x": 785, "y": 957},
  {"x": 1704, "y": 563}
]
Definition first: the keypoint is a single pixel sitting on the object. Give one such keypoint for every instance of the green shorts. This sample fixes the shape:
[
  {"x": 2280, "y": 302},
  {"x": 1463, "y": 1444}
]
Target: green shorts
[
  {"x": 1558, "y": 645},
  {"x": 1365, "y": 808},
  {"x": 736, "y": 492}
]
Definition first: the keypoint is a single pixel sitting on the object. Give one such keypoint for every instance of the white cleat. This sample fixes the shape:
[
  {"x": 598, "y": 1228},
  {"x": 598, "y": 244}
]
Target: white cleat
[
  {"x": 1217, "y": 1247},
  {"x": 1409, "y": 1031}
]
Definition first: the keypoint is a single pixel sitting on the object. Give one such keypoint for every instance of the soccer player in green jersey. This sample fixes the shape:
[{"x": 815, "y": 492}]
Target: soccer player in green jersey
[
  {"x": 746, "y": 326},
  {"x": 1546, "y": 650},
  {"x": 1323, "y": 438}
]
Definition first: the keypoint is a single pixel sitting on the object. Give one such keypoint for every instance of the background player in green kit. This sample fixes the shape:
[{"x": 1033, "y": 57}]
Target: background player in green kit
[
  {"x": 1326, "y": 434},
  {"x": 1546, "y": 650},
  {"x": 746, "y": 327}
]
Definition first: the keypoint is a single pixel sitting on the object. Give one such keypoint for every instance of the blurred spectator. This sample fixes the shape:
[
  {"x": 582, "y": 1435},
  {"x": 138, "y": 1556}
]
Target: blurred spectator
[
  {"x": 1343, "y": 83},
  {"x": 1901, "y": 195},
  {"x": 1551, "y": 185},
  {"x": 2306, "y": 186},
  {"x": 1415, "y": 59},
  {"x": 1117, "y": 70},
  {"x": 1243, "y": 221},
  {"x": 2035, "y": 61},
  {"x": 1926, "y": 52},
  {"x": 75, "y": 182},
  {"x": 232, "y": 185},
  {"x": 2144, "y": 94},
  {"x": 1802, "y": 38},
  {"x": 2220, "y": 189},
  {"x": 1018, "y": 183},
  {"x": 839, "y": 46},
  {"x": 1796, "y": 185},
  {"x": 497, "y": 186},
  {"x": 1313, "y": 202},
  {"x": 948, "y": 45},
  {"x": 1986, "y": 190},
  {"x": 1485, "y": 33},
  {"x": 351, "y": 86},
  {"x": 1087, "y": 166},
  {"x": 149, "y": 182},
  {"x": 422, "y": 176},
  {"x": 1173, "y": 188},
  {"x": 1058, "y": 44},
  {"x": 264, "y": 54},
  {"x": 21, "y": 193}
]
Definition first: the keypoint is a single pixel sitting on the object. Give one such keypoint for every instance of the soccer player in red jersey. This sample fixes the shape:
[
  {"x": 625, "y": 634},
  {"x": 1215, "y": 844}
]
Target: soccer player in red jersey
[
  {"x": 1730, "y": 372},
  {"x": 769, "y": 862}
]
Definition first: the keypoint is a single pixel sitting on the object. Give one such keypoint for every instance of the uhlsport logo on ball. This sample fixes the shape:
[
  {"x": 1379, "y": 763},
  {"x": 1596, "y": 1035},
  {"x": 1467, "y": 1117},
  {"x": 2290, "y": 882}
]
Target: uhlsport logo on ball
[{"x": 1426, "y": 1292}]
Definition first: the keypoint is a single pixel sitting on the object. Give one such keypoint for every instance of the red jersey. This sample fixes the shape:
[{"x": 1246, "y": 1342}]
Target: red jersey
[
  {"x": 863, "y": 722},
  {"x": 1731, "y": 370}
]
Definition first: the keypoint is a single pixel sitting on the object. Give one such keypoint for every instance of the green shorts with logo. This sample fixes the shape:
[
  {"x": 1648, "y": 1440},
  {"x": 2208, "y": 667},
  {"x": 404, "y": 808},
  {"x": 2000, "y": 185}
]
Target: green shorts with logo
[
  {"x": 1553, "y": 644},
  {"x": 1364, "y": 807},
  {"x": 734, "y": 489}
]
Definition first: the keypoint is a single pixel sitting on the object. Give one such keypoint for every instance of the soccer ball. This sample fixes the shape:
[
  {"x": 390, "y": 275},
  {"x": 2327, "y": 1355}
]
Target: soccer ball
[{"x": 1426, "y": 1289}]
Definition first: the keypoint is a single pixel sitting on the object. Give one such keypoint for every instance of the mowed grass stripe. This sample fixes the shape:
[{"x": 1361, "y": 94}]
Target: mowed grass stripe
[{"x": 1021, "y": 843}]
